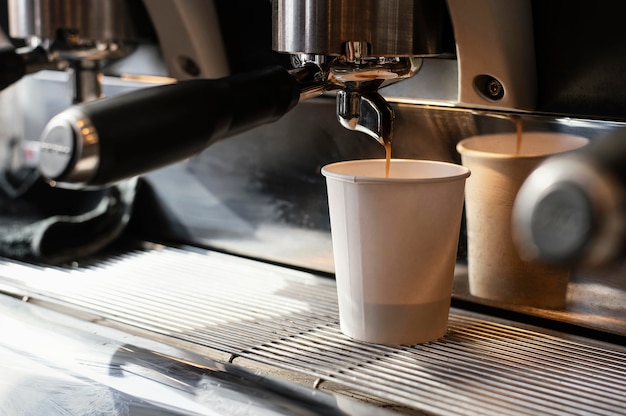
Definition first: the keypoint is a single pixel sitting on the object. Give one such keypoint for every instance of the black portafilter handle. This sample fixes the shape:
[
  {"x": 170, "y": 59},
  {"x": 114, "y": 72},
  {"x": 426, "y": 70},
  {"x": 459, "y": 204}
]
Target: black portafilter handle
[
  {"x": 12, "y": 67},
  {"x": 114, "y": 138},
  {"x": 572, "y": 208},
  {"x": 15, "y": 63}
]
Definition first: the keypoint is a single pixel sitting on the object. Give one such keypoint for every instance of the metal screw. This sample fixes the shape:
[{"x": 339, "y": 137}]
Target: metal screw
[
  {"x": 495, "y": 89},
  {"x": 189, "y": 66},
  {"x": 489, "y": 87}
]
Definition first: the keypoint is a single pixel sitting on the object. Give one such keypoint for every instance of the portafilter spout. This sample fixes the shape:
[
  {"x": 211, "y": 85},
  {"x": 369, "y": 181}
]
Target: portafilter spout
[
  {"x": 360, "y": 107},
  {"x": 369, "y": 114}
]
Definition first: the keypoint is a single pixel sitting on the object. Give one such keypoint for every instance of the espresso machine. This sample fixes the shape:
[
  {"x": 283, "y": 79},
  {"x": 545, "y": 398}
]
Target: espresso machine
[{"x": 166, "y": 244}]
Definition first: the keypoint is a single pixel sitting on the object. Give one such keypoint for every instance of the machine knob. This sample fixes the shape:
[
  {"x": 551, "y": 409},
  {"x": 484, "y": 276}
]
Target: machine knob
[{"x": 572, "y": 208}]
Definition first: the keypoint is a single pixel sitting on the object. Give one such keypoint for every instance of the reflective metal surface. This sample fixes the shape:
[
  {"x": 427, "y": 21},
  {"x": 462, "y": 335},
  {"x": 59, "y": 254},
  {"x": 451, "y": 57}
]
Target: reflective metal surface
[
  {"x": 390, "y": 28},
  {"x": 360, "y": 46},
  {"x": 55, "y": 365},
  {"x": 78, "y": 36},
  {"x": 94, "y": 20},
  {"x": 259, "y": 313},
  {"x": 369, "y": 114}
]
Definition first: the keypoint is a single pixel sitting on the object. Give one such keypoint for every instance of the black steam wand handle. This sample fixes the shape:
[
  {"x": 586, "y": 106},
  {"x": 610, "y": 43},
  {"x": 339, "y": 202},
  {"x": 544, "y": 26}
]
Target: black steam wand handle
[{"x": 104, "y": 141}]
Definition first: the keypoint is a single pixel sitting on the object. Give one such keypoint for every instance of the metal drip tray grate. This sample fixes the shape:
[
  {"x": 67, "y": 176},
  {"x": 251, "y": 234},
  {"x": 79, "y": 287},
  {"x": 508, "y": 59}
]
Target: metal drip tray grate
[{"x": 288, "y": 319}]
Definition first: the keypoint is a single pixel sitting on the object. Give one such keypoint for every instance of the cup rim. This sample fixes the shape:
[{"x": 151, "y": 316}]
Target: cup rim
[
  {"x": 463, "y": 146},
  {"x": 460, "y": 171}
]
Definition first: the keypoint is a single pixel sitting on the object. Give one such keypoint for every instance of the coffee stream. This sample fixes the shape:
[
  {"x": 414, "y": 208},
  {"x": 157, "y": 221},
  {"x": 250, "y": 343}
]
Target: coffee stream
[
  {"x": 519, "y": 129},
  {"x": 518, "y": 144},
  {"x": 387, "y": 158}
]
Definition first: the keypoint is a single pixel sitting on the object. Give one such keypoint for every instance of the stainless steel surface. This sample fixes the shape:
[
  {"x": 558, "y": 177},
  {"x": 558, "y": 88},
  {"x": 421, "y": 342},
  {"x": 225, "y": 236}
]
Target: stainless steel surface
[
  {"x": 311, "y": 78},
  {"x": 369, "y": 114},
  {"x": 358, "y": 78},
  {"x": 94, "y": 20},
  {"x": 390, "y": 28},
  {"x": 492, "y": 74},
  {"x": 496, "y": 57},
  {"x": 288, "y": 319},
  {"x": 79, "y": 35},
  {"x": 86, "y": 369},
  {"x": 23, "y": 18}
]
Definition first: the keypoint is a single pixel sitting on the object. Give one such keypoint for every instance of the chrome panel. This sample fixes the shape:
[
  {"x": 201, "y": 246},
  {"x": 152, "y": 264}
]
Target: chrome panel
[
  {"x": 256, "y": 312},
  {"x": 56, "y": 365}
]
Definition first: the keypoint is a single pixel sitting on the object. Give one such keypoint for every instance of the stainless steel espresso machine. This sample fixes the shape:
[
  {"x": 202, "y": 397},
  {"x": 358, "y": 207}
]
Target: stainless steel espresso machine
[{"x": 165, "y": 237}]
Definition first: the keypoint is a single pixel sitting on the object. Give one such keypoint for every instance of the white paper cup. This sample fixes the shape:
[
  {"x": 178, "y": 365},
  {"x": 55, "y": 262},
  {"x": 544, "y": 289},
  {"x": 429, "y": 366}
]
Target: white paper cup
[
  {"x": 495, "y": 269},
  {"x": 395, "y": 241}
]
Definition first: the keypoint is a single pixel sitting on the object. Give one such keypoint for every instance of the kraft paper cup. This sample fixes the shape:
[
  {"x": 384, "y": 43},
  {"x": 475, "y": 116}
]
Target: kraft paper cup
[
  {"x": 495, "y": 270},
  {"x": 395, "y": 241}
]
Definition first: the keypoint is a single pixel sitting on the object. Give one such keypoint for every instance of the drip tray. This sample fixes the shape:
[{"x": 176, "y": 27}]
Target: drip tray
[{"x": 285, "y": 322}]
